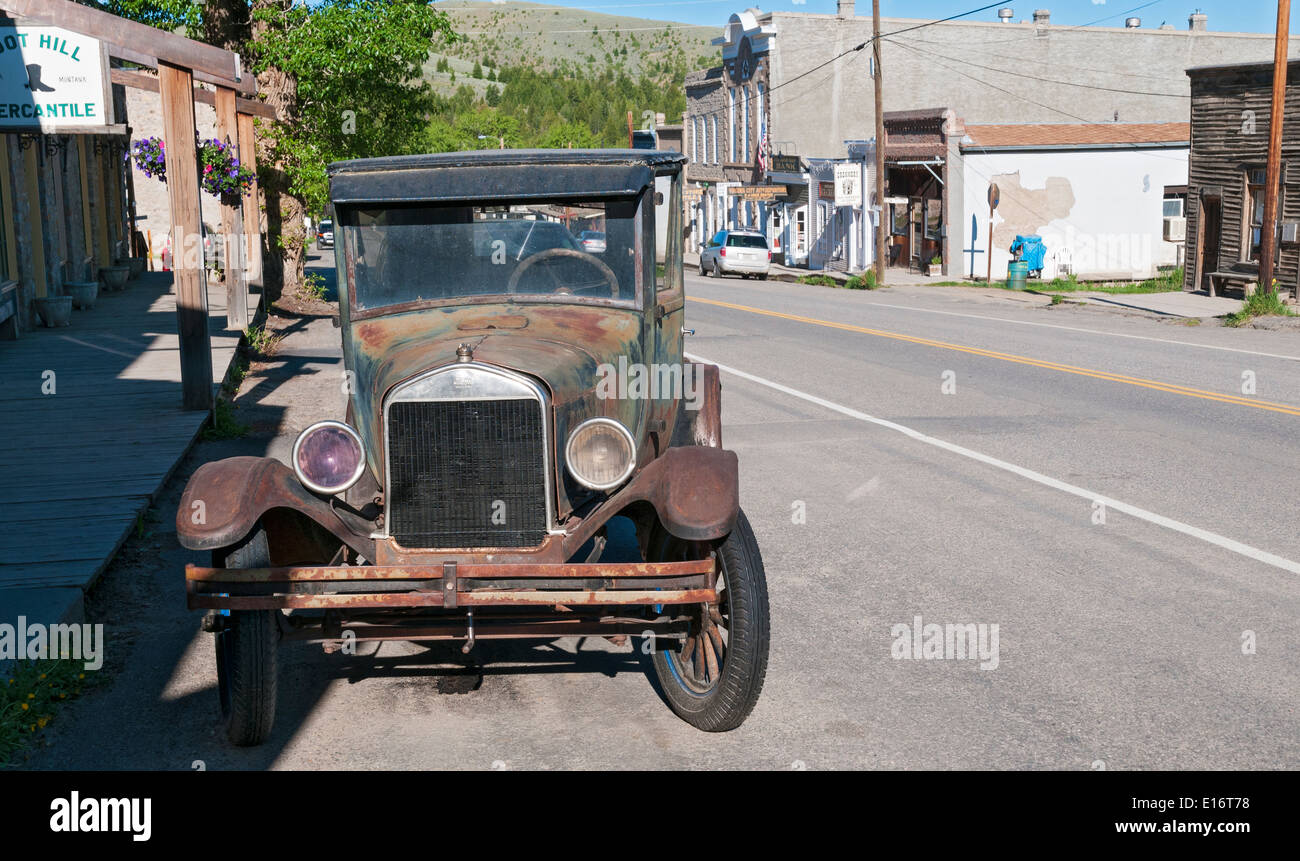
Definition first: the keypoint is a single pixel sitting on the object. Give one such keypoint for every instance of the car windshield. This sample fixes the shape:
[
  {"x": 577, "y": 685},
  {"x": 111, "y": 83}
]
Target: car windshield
[
  {"x": 326, "y": 225},
  {"x": 404, "y": 254},
  {"x": 739, "y": 240}
]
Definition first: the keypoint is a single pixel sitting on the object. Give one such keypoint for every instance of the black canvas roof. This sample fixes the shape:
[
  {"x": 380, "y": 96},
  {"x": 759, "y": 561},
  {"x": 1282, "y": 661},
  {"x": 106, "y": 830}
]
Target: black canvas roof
[{"x": 499, "y": 174}]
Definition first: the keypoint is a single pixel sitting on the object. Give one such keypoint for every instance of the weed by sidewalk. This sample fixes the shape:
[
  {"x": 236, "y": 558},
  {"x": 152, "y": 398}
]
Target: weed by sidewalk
[
  {"x": 1259, "y": 304},
  {"x": 30, "y": 694},
  {"x": 865, "y": 281}
]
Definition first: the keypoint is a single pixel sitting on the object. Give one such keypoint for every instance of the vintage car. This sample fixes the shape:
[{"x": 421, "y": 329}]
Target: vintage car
[{"x": 511, "y": 397}]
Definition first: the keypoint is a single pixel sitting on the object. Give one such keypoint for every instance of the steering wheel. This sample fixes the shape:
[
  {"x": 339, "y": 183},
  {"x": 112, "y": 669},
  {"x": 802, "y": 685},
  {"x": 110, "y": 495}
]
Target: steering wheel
[{"x": 512, "y": 286}]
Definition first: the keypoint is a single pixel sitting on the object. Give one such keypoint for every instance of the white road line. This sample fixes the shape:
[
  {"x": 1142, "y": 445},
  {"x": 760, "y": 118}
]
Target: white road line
[
  {"x": 1081, "y": 329},
  {"x": 1045, "y": 480}
]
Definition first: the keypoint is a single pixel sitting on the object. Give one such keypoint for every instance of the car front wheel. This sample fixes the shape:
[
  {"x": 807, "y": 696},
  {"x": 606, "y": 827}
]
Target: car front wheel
[
  {"x": 246, "y": 654},
  {"x": 712, "y": 680}
]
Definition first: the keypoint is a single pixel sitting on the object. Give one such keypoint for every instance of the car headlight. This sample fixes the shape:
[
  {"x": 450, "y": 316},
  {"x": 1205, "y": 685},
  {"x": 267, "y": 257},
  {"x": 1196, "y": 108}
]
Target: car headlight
[
  {"x": 328, "y": 457},
  {"x": 600, "y": 454}
]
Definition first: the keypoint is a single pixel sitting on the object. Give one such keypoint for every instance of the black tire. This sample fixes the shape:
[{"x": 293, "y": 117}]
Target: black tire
[
  {"x": 246, "y": 655},
  {"x": 717, "y": 270},
  {"x": 722, "y": 703},
  {"x": 704, "y": 273},
  {"x": 763, "y": 277}
]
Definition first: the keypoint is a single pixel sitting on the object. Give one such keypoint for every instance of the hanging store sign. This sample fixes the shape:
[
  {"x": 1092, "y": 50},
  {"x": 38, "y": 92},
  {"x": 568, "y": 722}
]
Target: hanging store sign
[
  {"x": 757, "y": 192},
  {"x": 787, "y": 164},
  {"x": 826, "y": 191},
  {"x": 52, "y": 78},
  {"x": 848, "y": 185}
]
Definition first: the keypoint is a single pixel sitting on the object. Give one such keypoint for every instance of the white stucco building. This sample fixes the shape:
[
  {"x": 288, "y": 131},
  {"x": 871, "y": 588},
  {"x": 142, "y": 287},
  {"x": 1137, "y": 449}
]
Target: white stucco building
[{"x": 1099, "y": 195}]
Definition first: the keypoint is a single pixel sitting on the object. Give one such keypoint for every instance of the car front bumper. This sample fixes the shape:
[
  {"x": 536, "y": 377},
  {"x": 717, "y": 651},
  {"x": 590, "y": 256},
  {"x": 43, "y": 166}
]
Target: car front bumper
[{"x": 452, "y": 585}]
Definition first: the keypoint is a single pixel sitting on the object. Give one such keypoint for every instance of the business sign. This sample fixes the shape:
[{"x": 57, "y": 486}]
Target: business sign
[
  {"x": 787, "y": 164},
  {"x": 757, "y": 192},
  {"x": 52, "y": 78},
  {"x": 826, "y": 191},
  {"x": 848, "y": 184}
]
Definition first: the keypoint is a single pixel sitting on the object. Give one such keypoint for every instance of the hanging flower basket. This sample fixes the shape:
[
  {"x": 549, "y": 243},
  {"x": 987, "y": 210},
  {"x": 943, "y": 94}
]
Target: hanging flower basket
[{"x": 220, "y": 172}]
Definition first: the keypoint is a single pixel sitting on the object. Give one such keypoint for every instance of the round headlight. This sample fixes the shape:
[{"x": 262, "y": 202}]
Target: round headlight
[
  {"x": 328, "y": 457},
  {"x": 601, "y": 454}
]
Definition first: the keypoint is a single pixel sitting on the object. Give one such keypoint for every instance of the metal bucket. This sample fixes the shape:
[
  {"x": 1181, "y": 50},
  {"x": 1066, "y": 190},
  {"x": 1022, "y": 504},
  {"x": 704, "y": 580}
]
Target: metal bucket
[{"x": 1017, "y": 276}]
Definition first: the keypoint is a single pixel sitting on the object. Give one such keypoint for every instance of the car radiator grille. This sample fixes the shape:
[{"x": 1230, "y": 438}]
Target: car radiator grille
[{"x": 454, "y": 465}]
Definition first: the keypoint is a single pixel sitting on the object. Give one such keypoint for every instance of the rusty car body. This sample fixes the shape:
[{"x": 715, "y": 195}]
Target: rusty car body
[{"x": 490, "y": 441}]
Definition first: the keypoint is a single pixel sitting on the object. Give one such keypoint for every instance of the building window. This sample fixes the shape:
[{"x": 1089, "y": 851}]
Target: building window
[
  {"x": 745, "y": 114},
  {"x": 715, "y": 139},
  {"x": 762, "y": 122},
  {"x": 1175, "y": 202},
  {"x": 800, "y": 230},
  {"x": 933, "y": 219},
  {"x": 1254, "y": 226},
  {"x": 704, "y": 139},
  {"x": 731, "y": 124}
]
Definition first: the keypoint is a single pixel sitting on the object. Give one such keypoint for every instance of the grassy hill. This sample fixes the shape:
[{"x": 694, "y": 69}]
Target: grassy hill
[{"x": 553, "y": 37}]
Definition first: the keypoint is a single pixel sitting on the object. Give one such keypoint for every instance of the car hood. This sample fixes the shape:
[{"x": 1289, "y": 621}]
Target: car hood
[{"x": 562, "y": 346}]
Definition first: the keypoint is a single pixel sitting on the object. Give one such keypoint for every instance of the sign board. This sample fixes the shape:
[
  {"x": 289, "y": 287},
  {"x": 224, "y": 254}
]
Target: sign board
[
  {"x": 692, "y": 192},
  {"x": 52, "y": 78},
  {"x": 848, "y": 184},
  {"x": 787, "y": 164},
  {"x": 826, "y": 190},
  {"x": 995, "y": 195},
  {"x": 757, "y": 192}
]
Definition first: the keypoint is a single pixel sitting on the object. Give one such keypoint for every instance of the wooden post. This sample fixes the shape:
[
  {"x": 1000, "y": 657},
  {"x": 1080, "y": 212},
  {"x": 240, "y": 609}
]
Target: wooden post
[
  {"x": 882, "y": 237},
  {"x": 630, "y": 137},
  {"x": 232, "y": 222},
  {"x": 1268, "y": 237},
  {"x": 252, "y": 207},
  {"x": 176, "y": 86}
]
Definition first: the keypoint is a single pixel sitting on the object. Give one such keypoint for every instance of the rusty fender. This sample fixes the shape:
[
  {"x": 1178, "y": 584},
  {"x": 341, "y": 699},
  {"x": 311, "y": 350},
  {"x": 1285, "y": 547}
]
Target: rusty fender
[
  {"x": 695, "y": 490},
  {"x": 231, "y": 495}
]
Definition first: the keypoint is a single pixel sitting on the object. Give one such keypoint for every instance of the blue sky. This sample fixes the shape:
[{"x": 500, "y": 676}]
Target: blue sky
[{"x": 1257, "y": 16}]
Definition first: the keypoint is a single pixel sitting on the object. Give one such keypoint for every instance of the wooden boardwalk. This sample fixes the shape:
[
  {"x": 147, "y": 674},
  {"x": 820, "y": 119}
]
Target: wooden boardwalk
[{"x": 79, "y": 465}]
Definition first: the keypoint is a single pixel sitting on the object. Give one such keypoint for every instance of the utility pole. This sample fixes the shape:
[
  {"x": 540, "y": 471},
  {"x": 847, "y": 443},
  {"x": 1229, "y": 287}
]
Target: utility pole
[
  {"x": 881, "y": 233},
  {"x": 631, "y": 140},
  {"x": 1268, "y": 237}
]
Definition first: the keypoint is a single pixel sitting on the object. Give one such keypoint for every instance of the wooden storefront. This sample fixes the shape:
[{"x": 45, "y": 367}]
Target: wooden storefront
[
  {"x": 1230, "y": 134},
  {"x": 66, "y": 190}
]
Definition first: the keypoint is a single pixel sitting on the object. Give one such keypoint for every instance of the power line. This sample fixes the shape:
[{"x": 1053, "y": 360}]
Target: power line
[
  {"x": 852, "y": 50},
  {"x": 1025, "y": 98}
]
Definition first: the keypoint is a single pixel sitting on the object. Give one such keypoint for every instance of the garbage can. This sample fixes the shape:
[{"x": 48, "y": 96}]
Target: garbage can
[{"x": 1017, "y": 275}]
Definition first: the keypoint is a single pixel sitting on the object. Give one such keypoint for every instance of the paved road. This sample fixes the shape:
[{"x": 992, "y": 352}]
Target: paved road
[{"x": 1120, "y": 642}]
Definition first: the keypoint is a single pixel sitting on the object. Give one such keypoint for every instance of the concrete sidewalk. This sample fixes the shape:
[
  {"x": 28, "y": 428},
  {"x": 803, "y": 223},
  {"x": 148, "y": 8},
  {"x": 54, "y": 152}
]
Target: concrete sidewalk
[
  {"x": 92, "y": 420},
  {"x": 1175, "y": 304}
]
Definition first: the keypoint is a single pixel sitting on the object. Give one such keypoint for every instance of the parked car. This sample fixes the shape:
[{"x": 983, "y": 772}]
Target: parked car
[
  {"x": 488, "y": 481},
  {"x": 592, "y": 240},
  {"x": 736, "y": 252},
  {"x": 325, "y": 234},
  {"x": 214, "y": 252}
]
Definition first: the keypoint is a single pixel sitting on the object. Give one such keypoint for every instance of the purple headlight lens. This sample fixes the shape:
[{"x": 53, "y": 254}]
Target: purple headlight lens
[{"x": 329, "y": 457}]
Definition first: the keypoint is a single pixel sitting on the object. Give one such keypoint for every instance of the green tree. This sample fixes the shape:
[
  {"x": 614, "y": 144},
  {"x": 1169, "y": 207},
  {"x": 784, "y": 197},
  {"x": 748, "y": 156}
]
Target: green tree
[
  {"x": 478, "y": 71},
  {"x": 344, "y": 77}
]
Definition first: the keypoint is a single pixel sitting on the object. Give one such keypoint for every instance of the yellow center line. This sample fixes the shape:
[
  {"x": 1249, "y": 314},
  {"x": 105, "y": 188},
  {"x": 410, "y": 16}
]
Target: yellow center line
[{"x": 1171, "y": 388}]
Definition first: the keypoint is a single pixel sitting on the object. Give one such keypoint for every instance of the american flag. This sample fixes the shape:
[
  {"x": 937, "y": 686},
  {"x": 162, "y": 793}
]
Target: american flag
[{"x": 763, "y": 148}]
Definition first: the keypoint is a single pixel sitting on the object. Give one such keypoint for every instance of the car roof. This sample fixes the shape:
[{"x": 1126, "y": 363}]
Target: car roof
[
  {"x": 505, "y": 174},
  {"x": 508, "y": 157}
]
